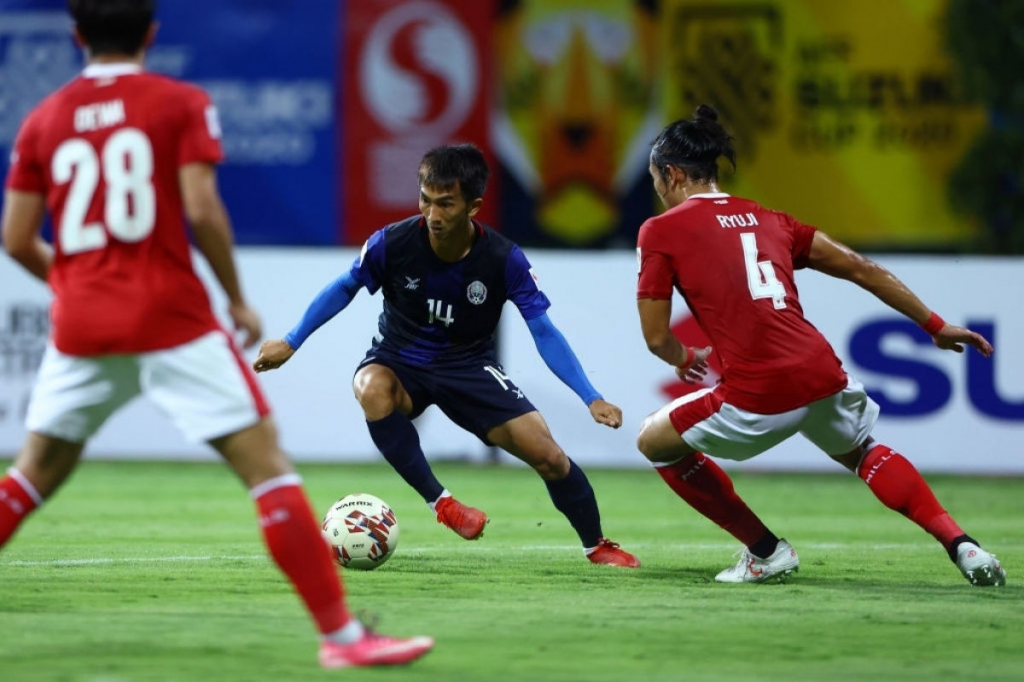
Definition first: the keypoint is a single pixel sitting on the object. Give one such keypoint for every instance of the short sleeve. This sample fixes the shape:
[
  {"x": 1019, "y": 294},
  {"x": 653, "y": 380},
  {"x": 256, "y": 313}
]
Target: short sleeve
[
  {"x": 200, "y": 137},
  {"x": 801, "y": 238},
  {"x": 521, "y": 286},
  {"x": 368, "y": 268},
  {"x": 656, "y": 276},
  {"x": 26, "y": 170}
]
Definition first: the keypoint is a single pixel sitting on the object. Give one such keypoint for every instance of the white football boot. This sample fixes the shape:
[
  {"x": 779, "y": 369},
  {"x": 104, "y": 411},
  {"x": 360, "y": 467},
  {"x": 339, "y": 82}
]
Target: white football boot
[
  {"x": 754, "y": 569},
  {"x": 978, "y": 566}
]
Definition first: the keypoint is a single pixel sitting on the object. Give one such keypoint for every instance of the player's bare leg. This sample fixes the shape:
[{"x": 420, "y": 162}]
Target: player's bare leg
[
  {"x": 898, "y": 485},
  {"x": 293, "y": 538},
  {"x": 43, "y": 464},
  {"x": 528, "y": 438},
  {"x": 706, "y": 487},
  {"x": 386, "y": 405}
]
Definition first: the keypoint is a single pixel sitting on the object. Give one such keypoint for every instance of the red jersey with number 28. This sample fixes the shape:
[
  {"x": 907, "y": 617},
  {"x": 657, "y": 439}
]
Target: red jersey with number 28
[
  {"x": 105, "y": 151},
  {"x": 733, "y": 261}
]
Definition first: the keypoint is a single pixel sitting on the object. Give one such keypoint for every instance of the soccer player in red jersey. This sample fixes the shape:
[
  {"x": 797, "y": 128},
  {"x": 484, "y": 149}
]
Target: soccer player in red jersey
[
  {"x": 733, "y": 261},
  {"x": 117, "y": 156}
]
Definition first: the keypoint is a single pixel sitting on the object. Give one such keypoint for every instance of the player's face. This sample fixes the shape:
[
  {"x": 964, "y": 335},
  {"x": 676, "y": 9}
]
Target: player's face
[
  {"x": 660, "y": 187},
  {"x": 446, "y": 211}
]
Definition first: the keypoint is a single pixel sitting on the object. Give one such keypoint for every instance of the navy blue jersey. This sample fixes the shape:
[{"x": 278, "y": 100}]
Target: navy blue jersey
[{"x": 444, "y": 313}]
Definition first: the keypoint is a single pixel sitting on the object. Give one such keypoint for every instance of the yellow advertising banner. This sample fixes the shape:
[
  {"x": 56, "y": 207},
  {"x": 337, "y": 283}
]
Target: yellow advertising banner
[
  {"x": 846, "y": 113},
  {"x": 578, "y": 108}
]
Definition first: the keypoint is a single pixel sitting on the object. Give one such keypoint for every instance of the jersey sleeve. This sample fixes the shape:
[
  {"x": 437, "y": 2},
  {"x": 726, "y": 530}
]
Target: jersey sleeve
[
  {"x": 801, "y": 236},
  {"x": 368, "y": 268},
  {"x": 521, "y": 286},
  {"x": 656, "y": 276},
  {"x": 26, "y": 170},
  {"x": 200, "y": 136}
]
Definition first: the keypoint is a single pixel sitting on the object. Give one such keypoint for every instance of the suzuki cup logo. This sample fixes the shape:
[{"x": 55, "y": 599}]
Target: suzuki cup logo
[{"x": 419, "y": 70}]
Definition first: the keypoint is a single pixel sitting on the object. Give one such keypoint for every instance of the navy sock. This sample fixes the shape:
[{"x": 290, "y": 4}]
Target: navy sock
[
  {"x": 397, "y": 440},
  {"x": 574, "y": 497}
]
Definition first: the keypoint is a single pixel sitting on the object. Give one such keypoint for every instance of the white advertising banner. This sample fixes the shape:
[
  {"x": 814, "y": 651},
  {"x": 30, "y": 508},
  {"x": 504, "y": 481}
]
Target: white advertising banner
[
  {"x": 311, "y": 397},
  {"x": 947, "y": 412}
]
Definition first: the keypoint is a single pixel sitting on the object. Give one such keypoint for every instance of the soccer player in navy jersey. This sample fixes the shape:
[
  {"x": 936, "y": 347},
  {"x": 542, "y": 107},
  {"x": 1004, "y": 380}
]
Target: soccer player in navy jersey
[
  {"x": 445, "y": 279},
  {"x": 733, "y": 260}
]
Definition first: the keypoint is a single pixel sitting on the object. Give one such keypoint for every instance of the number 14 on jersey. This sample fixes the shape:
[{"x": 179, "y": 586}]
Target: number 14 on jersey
[{"x": 434, "y": 306}]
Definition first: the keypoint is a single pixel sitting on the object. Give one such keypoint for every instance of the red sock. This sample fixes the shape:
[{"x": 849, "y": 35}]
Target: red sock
[
  {"x": 898, "y": 485},
  {"x": 294, "y": 540},
  {"x": 708, "y": 489},
  {"x": 18, "y": 498}
]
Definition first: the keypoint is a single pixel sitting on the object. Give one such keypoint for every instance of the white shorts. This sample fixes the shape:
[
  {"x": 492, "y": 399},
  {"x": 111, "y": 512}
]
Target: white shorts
[
  {"x": 837, "y": 424},
  {"x": 204, "y": 386}
]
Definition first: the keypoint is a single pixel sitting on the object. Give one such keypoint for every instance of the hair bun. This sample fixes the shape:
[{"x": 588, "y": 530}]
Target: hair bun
[{"x": 705, "y": 112}]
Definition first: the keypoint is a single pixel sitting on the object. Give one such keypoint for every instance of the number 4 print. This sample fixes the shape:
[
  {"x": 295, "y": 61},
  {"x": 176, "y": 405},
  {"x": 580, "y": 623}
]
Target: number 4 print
[{"x": 761, "y": 274}]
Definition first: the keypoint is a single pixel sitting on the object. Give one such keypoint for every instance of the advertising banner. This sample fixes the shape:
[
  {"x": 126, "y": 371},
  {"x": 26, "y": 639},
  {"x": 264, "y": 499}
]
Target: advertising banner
[
  {"x": 270, "y": 68},
  {"x": 577, "y": 109},
  {"x": 311, "y": 397},
  {"x": 846, "y": 114},
  {"x": 946, "y": 412},
  {"x": 417, "y": 75}
]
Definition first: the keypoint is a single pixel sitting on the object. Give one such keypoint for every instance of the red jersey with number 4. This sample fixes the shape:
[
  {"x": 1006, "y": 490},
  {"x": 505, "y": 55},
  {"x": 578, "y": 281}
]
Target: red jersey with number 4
[
  {"x": 105, "y": 151},
  {"x": 733, "y": 261}
]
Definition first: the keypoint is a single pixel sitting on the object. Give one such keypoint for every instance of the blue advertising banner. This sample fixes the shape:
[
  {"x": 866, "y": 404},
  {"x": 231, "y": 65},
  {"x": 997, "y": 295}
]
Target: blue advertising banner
[{"x": 271, "y": 69}]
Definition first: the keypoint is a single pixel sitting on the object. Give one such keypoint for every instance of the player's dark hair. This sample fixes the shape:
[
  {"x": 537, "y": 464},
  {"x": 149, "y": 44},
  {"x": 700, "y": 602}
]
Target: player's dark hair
[
  {"x": 694, "y": 145},
  {"x": 443, "y": 166},
  {"x": 113, "y": 26}
]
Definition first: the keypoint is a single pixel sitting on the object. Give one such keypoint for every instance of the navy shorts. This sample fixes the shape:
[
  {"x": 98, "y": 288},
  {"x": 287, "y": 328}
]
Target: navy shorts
[{"x": 476, "y": 397}]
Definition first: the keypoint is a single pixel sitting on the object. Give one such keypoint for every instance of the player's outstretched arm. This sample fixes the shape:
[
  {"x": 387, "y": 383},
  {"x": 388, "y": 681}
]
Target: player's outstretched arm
[
  {"x": 838, "y": 260},
  {"x": 212, "y": 228},
  {"x": 22, "y": 220},
  {"x": 331, "y": 300},
  {"x": 560, "y": 359}
]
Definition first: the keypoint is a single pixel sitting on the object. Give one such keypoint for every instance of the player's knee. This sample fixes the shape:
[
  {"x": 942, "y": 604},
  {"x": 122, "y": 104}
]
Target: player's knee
[
  {"x": 552, "y": 465},
  {"x": 851, "y": 460},
  {"x": 377, "y": 398},
  {"x": 645, "y": 440}
]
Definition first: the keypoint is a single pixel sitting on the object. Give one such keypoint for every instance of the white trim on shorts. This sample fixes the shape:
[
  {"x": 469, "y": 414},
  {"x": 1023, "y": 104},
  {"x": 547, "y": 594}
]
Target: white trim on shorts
[
  {"x": 837, "y": 424},
  {"x": 201, "y": 385}
]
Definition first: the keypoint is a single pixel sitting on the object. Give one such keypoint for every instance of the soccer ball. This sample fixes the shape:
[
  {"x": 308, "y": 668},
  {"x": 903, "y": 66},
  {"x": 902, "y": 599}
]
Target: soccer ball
[{"x": 362, "y": 531}]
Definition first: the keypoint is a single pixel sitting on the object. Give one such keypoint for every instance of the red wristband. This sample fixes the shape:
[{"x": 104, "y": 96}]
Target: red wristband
[{"x": 933, "y": 324}]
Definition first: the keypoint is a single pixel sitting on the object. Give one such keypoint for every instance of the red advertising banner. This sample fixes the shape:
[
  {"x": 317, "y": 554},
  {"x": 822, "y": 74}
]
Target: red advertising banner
[{"x": 417, "y": 74}]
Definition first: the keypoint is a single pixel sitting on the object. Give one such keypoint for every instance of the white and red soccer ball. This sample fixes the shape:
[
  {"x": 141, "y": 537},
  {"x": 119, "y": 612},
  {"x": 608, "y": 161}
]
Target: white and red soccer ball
[{"x": 362, "y": 531}]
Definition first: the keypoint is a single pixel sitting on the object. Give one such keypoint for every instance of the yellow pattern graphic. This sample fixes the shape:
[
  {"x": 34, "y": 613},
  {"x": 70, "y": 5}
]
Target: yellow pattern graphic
[{"x": 846, "y": 112}]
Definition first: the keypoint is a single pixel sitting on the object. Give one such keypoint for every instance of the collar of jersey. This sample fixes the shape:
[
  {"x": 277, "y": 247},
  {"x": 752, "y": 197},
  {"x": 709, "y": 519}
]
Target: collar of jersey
[
  {"x": 708, "y": 195},
  {"x": 110, "y": 70},
  {"x": 479, "y": 235}
]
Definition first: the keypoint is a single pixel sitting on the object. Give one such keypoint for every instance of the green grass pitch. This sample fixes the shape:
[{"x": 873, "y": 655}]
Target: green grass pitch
[{"x": 155, "y": 572}]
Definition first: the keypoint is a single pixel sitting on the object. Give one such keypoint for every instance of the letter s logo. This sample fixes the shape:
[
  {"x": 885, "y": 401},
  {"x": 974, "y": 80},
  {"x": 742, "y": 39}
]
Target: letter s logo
[{"x": 934, "y": 388}]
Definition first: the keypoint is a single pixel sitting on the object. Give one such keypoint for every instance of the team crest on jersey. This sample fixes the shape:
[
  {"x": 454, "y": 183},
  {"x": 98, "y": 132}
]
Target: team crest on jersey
[{"x": 476, "y": 292}]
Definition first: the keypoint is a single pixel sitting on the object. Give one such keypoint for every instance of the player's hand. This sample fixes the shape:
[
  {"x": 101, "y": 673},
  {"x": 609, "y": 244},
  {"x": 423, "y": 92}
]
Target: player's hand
[
  {"x": 952, "y": 337},
  {"x": 695, "y": 371},
  {"x": 248, "y": 322},
  {"x": 273, "y": 354},
  {"x": 605, "y": 413}
]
